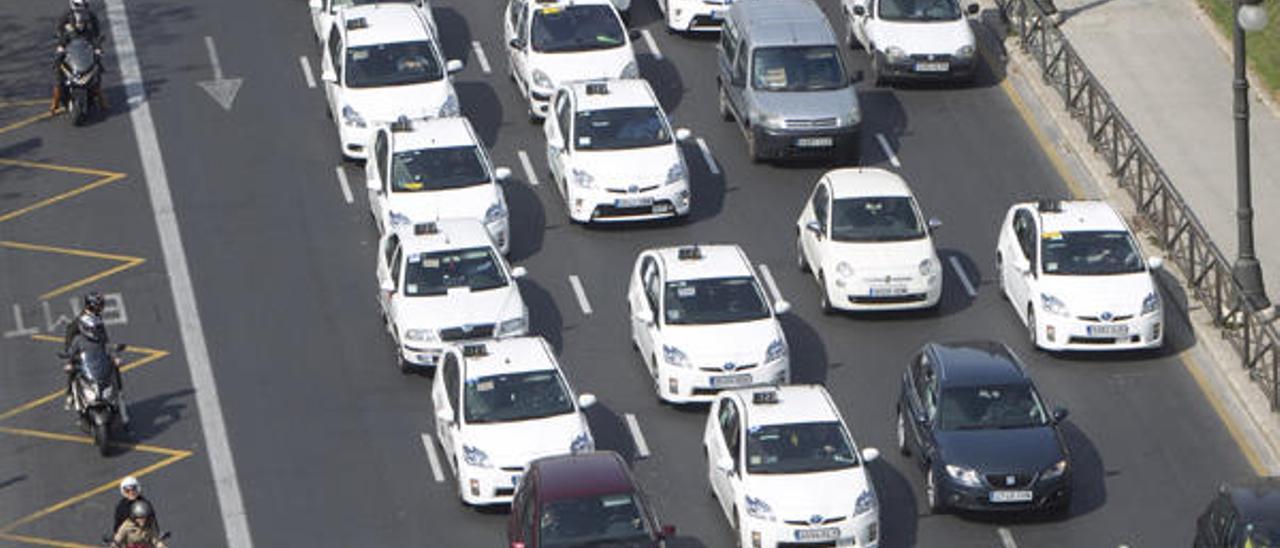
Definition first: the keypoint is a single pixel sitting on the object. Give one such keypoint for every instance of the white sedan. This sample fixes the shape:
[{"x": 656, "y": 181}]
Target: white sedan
[
  {"x": 323, "y": 12},
  {"x": 694, "y": 15},
  {"x": 864, "y": 240},
  {"x": 910, "y": 39}
]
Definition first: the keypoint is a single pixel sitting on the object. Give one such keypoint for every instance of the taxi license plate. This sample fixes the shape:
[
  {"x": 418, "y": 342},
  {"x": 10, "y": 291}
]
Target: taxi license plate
[
  {"x": 814, "y": 142},
  {"x": 515, "y": 479},
  {"x": 632, "y": 202},
  {"x": 727, "y": 381},
  {"x": 935, "y": 66},
  {"x": 888, "y": 291},
  {"x": 818, "y": 535},
  {"x": 1011, "y": 496},
  {"x": 1108, "y": 330}
]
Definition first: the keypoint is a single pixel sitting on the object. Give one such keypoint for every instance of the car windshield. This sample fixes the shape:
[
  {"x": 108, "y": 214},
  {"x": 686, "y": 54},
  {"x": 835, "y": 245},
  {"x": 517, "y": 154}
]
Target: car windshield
[
  {"x": 428, "y": 274},
  {"x": 714, "y": 300},
  {"x": 1089, "y": 253},
  {"x": 437, "y": 169},
  {"x": 920, "y": 10},
  {"x": 516, "y": 397},
  {"x": 600, "y": 520},
  {"x": 990, "y": 407},
  {"x": 881, "y": 219},
  {"x": 576, "y": 28},
  {"x": 798, "y": 448},
  {"x": 339, "y": 4},
  {"x": 619, "y": 128},
  {"x": 797, "y": 68},
  {"x": 395, "y": 64}
]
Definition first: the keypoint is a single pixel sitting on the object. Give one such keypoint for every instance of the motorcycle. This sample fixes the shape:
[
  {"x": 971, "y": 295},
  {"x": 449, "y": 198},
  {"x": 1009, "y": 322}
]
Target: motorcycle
[
  {"x": 107, "y": 540},
  {"x": 95, "y": 392},
  {"x": 81, "y": 69}
]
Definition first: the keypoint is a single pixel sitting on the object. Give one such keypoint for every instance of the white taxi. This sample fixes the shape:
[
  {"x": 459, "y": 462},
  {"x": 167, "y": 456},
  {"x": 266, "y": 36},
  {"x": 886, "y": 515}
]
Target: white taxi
[
  {"x": 786, "y": 471},
  {"x": 613, "y": 154},
  {"x": 910, "y": 39},
  {"x": 553, "y": 42},
  {"x": 444, "y": 282},
  {"x": 323, "y": 12},
  {"x": 694, "y": 15},
  {"x": 499, "y": 405},
  {"x": 1076, "y": 277},
  {"x": 381, "y": 62},
  {"x": 429, "y": 169},
  {"x": 862, "y": 237},
  {"x": 702, "y": 323}
]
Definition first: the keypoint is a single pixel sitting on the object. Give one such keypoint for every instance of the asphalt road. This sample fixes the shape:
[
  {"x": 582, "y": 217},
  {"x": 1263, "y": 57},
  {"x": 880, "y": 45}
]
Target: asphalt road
[{"x": 327, "y": 435}]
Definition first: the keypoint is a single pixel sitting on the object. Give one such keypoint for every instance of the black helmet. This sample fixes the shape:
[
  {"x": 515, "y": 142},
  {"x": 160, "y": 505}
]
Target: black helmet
[
  {"x": 141, "y": 509},
  {"x": 90, "y": 326},
  {"x": 94, "y": 302}
]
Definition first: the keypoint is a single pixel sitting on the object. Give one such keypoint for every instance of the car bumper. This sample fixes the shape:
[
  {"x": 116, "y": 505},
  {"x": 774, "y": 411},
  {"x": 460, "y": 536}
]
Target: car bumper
[
  {"x": 944, "y": 68},
  {"x": 808, "y": 143},
  {"x": 1062, "y": 333},
  {"x": 488, "y": 486},
  {"x": 697, "y": 385},
  {"x": 600, "y": 205},
  {"x": 696, "y": 17},
  {"x": 861, "y": 531},
  {"x": 860, "y": 295},
  {"x": 1045, "y": 495},
  {"x": 353, "y": 140},
  {"x": 423, "y": 355}
]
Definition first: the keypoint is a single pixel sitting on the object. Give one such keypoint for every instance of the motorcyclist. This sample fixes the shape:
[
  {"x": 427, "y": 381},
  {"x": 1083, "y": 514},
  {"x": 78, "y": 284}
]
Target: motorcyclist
[
  {"x": 130, "y": 491},
  {"x": 92, "y": 334},
  {"x": 93, "y": 305},
  {"x": 77, "y": 21},
  {"x": 140, "y": 530}
]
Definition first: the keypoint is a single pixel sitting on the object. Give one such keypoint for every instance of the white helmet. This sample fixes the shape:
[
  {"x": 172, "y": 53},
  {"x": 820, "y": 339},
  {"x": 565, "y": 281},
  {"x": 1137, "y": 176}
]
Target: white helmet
[
  {"x": 79, "y": 4},
  {"x": 129, "y": 482}
]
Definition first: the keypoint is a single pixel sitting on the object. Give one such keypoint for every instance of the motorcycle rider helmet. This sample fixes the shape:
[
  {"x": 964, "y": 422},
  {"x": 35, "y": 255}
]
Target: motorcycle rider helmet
[
  {"x": 141, "y": 509},
  {"x": 79, "y": 4},
  {"x": 94, "y": 302},
  {"x": 90, "y": 327},
  {"x": 130, "y": 483},
  {"x": 79, "y": 19}
]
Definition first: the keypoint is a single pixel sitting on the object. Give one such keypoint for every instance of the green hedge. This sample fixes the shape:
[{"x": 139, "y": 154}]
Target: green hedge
[{"x": 1263, "y": 46}]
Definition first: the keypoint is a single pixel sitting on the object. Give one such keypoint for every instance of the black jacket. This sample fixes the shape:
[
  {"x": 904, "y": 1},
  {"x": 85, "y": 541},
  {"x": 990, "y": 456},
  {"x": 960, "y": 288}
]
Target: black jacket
[
  {"x": 66, "y": 29},
  {"x": 73, "y": 329},
  {"x": 122, "y": 513}
]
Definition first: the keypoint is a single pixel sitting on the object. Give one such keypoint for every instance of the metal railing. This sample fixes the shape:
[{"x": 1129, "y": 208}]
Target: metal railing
[{"x": 1161, "y": 208}]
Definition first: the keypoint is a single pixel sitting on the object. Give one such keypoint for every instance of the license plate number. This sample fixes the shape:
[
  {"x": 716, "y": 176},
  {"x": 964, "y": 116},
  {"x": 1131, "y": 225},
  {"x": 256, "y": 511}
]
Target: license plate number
[
  {"x": 812, "y": 535},
  {"x": 1011, "y": 496},
  {"x": 725, "y": 381},
  {"x": 633, "y": 202},
  {"x": 934, "y": 66},
  {"x": 1108, "y": 330},
  {"x": 814, "y": 142},
  {"x": 888, "y": 291}
]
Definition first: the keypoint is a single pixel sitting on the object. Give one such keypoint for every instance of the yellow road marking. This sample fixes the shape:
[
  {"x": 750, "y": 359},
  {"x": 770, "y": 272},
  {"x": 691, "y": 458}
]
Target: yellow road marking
[
  {"x": 152, "y": 354},
  {"x": 104, "y": 178},
  {"x": 7, "y": 103},
  {"x": 86, "y": 440},
  {"x": 43, "y": 541},
  {"x": 128, "y": 262},
  {"x": 26, "y": 122}
]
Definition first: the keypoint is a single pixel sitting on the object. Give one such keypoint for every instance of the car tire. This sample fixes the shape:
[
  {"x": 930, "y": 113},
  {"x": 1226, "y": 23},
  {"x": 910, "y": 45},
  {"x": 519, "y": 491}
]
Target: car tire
[
  {"x": 824, "y": 298},
  {"x": 902, "y": 434},
  {"x": 801, "y": 263},
  {"x": 931, "y": 499},
  {"x": 726, "y": 113}
]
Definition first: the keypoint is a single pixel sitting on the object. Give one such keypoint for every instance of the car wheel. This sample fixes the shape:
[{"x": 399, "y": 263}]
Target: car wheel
[
  {"x": 824, "y": 298},
  {"x": 902, "y": 434},
  {"x": 931, "y": 493},
  {"x": 1031, "y": 326},
  {"x": 801, "y": 263},
  {"x": 725, "y": 112}
]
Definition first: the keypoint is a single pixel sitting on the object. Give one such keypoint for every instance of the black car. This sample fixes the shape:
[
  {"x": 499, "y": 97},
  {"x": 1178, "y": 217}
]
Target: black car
[
  {"x": 980, "y": 431},
  {"x": 1243, "y": 516}
]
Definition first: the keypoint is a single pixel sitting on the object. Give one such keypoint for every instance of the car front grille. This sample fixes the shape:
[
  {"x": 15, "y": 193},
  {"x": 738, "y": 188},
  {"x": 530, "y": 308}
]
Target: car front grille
[
  {"x": 807, "y": 523},
  {"x": 467, "y": 333},
  {"x": 829, "y": 543},
  {"x": 889, "y": 299},
  {"x": 1099, "y": 319},
  {"x": 809, "y": 123},
  {"x": 736, "y": 368},
  {"x": 1001, "y": 481},
  {"x": 609, "y": 210},
  {"x": 632, "y": 189}
]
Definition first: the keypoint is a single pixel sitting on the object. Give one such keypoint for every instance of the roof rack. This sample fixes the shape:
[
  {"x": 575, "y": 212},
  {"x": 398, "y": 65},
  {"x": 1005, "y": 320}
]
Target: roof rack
[
  {"x": 769, "y": 396},
  {"x": 474, "y": 350},
  {"x": 689, "y": 253},
  {"x": 1049, "y": 206},
  {"x": 403, "y": 123},
  {"x": 597, "y": 88},
  {"x": 357, "y": 23},
  {"x": 429, "y": 227}
]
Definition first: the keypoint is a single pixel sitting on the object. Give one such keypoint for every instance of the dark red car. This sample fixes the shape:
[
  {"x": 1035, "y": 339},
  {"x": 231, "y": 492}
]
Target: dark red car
[{"x": 582, "y": 500}]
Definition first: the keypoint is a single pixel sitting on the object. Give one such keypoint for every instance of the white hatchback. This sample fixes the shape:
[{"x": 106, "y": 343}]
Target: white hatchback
[{"x": 910, "y": 39}]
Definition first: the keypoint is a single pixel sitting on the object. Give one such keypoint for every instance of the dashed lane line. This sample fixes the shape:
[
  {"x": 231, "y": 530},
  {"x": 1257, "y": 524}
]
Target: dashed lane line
[
  {"x": 964, "y": 278},
  {"x": 436, "y": 471},
  {"x": 578, "y": 292},
  {"x": 642, "y": 447},
  {"x": 530, "y": 175},
  {"x": 306, "y": 71},
  {"x": 1006, "y": 538},
  {"x": 707, "y": 157},
  {"x": 344, "y": 185},
  {"x": 653, "y": 45},
  {"x": 480, "y": 56},
  {"x": 888, "y": 150},
  {"x": 768, "y": 281}
]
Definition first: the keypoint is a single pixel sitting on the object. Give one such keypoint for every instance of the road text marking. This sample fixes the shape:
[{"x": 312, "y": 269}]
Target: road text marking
[
  {"x": 768, "y": 281},
  {"x": 530, "y": 175},
  {"x": 306, "y": 71},
  {"x": 436, "y": 471},
  {"x": 964, "y": 278},
  {"x": 342, "y": 183},
  {"x": 1006, "y": 538},
  {"x": 580, "y": 294},
  {"x": 480, "y": 56},
  {"x": 888, "y": 150},
  {"x": 642, "y": 448},
  {"x": 706, "y": 157},
  {"x": 653, "y": 46}
]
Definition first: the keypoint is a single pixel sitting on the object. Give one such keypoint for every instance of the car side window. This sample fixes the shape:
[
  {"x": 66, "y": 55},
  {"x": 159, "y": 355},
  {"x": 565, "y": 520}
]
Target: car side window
[
  {"x": 821, "y": 206},
  {"x": 451, "y": 381},
  {"x": 653, "y": 289},
  {"x": 649, "y": 271},
  {"x": 740, "y": 66},
  {"x": 525, "y": 510},
  {"x": 513, "y": 12},
  {"x": 564, "y": 118},
  {"x": 396, "y": 261},
  {"x": 335, "y": 51},
  {"x": 1024, "y": 228},
  {"x": 389, "y": 248},
  {"x": 927, "y": 388},
  {"x": 734, "y": 438},
  {"x": 380, "y": 153},
  {"x": 728, "y": 41},
  {"x": 522, "y": 26}
]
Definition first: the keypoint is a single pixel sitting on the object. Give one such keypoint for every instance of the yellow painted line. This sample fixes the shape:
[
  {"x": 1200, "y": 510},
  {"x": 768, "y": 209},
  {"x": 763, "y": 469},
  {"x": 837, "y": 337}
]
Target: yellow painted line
[
  {"x": 129, "y": 262},
  {"x": 86, "y": 440},
  {"x": 7, "y": 103},
  {"x": 1049, "y": 150},
  {"x": 26, "y": 122},
  {"x": 59, "y": 167},
  {"x": 1249, "y": 454},
  {"x": 104, "y": 178},
  {"x": 151, "y": 354},
  {"x": 38, "y": 541}
]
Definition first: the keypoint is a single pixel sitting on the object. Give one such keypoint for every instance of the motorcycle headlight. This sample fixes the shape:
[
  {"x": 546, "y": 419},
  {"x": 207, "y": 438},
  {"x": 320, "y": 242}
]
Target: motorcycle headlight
[
  {"x": 495, "y": 213},
  {"x": 675, "y": 356},
  {"x": 421, "y": 335},
  {"x": 1053, "y": 305},
  {"x": 630, "y": 71},
  {"x": 777, "y": 350},
  {"x": 928, "y": 267},
  {"x": 895, "y": 54},
  {"x": 1151, "y": 303},
  {"x": 866, "y": 503},
  {"x": 450, "y": 107},
  {"x": 514, "y": 326},
  {"x": 582, "y": 444},
  {"x": 90, "y": 393},
  {"x": 352, "y": 118},
  {"x": 541, "y": 80},
  {"x": 1054, "y": 471},
  {"x": 398, "y": 219},
  {"x": 965, "y": 476},
  {"x": 758, "y": 508},
  {"x": 582, "y": 178},
  {"x": 845, "y": 270},
  {"x": 475, "y": 457},
  {"x": 676, "y": 173},
  {"x": 965, "y": 52}
]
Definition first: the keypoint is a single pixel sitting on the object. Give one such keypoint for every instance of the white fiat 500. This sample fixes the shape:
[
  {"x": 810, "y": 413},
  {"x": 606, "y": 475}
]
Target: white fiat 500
[
  {"x": 613, "y": 154},
  {"x": 323, "y": 12},
  {"x": 786, "y": 471},
  {"x": 498, "y": 406},
  {"x": 694, "y": 15},
  {"x": 1076, "y": 277},
  {"x": 444, "y": 282},
  {"x": 863, "y": 238},
  {"x": 382, "y": 62},
  {"x": 429, "y": 169},
  {"x": 702, "y": 323},
  {"x": 551, "y": 43},
  {"x": 913, "y": 39}
]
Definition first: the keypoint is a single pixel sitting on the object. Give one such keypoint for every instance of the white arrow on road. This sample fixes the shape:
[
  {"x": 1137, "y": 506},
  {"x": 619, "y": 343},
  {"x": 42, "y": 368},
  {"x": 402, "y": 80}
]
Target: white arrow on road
[{"x": 223, "y": 90}]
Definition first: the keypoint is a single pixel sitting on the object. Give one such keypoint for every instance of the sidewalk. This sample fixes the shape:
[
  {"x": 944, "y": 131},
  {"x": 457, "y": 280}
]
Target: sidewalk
[{"x": 1171, "y": 76}]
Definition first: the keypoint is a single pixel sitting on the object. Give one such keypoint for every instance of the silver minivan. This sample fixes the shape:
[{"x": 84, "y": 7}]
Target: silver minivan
[{"x": 782, "y": 77}]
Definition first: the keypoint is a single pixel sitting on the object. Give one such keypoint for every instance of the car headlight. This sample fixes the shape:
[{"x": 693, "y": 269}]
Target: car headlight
[
  {"x": 1151, "y": 303},
  {"x": 420, "y": 335},
  {"x": 495, "y": 213},
  {"x": 758, "y": 508},
  {"x": 352, "y": 118},
  {"x": 475, "y": 457},
  {"x": 777, "y": 350},
  {"x": 965, "y": 476},
  {"x": 675, "y": 356},
  {"x": 772, "y": 121},
  {"x": 928, "y": 267},
  {"x": 965, "y": 52},
  {"x": 855, "y": 116},
  {"x": 630, "y": 71},
  {"x": 582, "y": 178},
  {"x": 676, "y": 173},
  {"x": 398, "y": 219},
  {"x": 541, "y": 80},
  {"x": 1053, "y": 305},
  {"x": 895, "y": 54},
  {"x": 450, "y": 107},
  {"x": 844, "y": 269},
  {"x": 1054, "y": 471},
  {"x": 514, "y": 326},
  {"x": 581, "y": 444},
  {"x": 866, "y": 503}
]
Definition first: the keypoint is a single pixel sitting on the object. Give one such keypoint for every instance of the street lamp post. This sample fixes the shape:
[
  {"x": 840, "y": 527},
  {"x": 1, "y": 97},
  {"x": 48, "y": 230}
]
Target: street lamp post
[{"x": 1250, "y": 16}]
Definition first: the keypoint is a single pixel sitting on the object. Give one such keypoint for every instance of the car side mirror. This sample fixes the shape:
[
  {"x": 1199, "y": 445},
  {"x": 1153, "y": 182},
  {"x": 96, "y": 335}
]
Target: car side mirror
[
  {"x": 781, "y": 307},
  {"x": 683, "y": 134},
  {"x": 934, "y": 223},
  {"x": 725, "y": 464},
  {"x": 1155, "y": 263},
  {"x": 519, "y": 272},
  {"x": 859, "y": 11},
  {"x": 502, "y": 173},
  {"x": 633, "y": 34},
  {"x": 870, "y": 454},
  {"x": 453, "y": 65},
  {"x": 1059, "y": 414},
  {"x": 516, "y": 43},
  {"x": 586, "y": 401},
  {"x": 815, "y": 227},
  {"x": 668, "y": 531},
  {"x": 972, "y": 9}
]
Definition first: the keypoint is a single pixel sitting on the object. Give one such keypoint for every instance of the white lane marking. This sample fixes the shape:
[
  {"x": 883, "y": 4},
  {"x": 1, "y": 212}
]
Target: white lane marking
[
  {"x": 221, "y": 463},
  {"x": 342, "y": 183},
  {"x": 580, "y": 294},
  {"x": 706, "y": 157},
  {"x": 964, "y": 278},
  {"x": 213, "y": 57},
  {"x": 306, "y": 71},
  {"x": 436, "y": 471},
  {"x": 530, "y": 175},
  {"x": 642, "y": 448},
  {"x": 1006, "y": 538},
  {"x": 480, "y": 56},
  {"x": 768, "y": 281},
  {"x": 888, "y": 150},
  {"x": 653, "y": 45}
]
